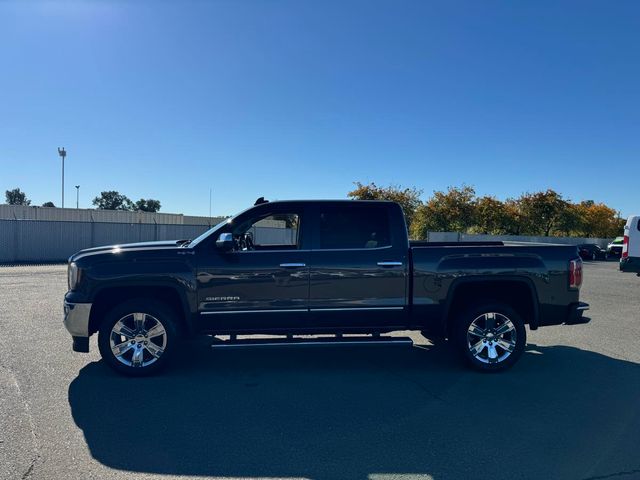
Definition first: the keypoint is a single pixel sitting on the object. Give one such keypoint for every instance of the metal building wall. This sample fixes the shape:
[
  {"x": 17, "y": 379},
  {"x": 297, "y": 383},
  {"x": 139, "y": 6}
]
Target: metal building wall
[
  {"x": 23, "y": 212},
  {"x": 50, "y": 241}
]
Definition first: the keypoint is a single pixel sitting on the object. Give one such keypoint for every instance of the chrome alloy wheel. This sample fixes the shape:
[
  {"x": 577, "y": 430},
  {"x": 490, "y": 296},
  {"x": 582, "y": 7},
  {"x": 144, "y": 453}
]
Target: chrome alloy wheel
[
  {"x": 138, "y": 339},
  {"x": 491, "y": 337}
]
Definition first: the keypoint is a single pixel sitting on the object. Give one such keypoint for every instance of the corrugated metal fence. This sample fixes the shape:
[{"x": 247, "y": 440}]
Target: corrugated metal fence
[
  {"x": 49, "y": 241},
  {"x": 28, "y": 212}
]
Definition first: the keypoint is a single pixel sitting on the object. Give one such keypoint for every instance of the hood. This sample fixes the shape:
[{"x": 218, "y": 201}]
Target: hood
[{"x": 159, "y": 245}]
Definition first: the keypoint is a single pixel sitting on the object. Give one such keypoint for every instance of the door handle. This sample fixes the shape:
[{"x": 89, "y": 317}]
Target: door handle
[
  {"x": 293, "y": 265},
  {"x": 389, "y": 264}
]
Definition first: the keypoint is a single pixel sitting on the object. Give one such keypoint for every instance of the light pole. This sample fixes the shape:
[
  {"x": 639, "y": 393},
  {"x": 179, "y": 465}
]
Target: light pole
[
  {"x": 77, "y": 196},
  {"x": 62, "y": 154}
]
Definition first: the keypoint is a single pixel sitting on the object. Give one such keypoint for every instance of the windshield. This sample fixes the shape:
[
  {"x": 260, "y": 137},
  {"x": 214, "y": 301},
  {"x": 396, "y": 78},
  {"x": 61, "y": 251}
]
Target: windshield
[
  {"x": 212, "y": 230},
  {"x": 198, "y": 239}
]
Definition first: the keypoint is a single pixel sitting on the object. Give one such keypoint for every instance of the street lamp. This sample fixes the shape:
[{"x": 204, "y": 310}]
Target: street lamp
[
  {"x": 77, "y": 196},
  {"x": 62, "y": 154}
]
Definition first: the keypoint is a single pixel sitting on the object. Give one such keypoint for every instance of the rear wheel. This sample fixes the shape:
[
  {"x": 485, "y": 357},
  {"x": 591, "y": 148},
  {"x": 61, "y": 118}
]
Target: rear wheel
[
  {"x": 138, "y": 337},
  {"x": 490, "y": 337}
]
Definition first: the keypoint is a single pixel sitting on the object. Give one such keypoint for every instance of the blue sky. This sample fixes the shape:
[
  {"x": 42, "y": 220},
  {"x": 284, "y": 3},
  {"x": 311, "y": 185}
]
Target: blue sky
[{"x": 298, "y": 99}]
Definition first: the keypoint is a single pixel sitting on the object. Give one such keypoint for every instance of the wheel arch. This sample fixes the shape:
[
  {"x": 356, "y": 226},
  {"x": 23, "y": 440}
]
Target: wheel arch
[
  {"x": 109, "y": 297},
  {"x": 516, "y": 291}
]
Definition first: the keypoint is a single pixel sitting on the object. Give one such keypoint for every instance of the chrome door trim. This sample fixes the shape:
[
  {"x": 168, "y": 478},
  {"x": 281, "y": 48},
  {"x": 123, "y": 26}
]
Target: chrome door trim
[
  {"x": 293, "y": 265},
  {"x": 299, "y": 310},
  {"x": 217, "y": 312},
  {"x": 321, "y": 309},
  {"x": 389, "y": 264}
]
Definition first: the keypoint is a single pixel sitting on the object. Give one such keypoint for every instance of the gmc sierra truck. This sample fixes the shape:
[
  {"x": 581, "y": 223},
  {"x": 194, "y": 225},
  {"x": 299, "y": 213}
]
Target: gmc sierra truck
[{"x": 315, "y": 272}]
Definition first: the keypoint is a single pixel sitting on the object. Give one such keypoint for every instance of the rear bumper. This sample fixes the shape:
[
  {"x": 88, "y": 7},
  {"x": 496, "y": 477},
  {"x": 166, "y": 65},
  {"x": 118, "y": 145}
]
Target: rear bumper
[
  {"x": 76, "y": 321},
  {"x": 630, "y": 264},
  {"x": 576, "y": 314}
]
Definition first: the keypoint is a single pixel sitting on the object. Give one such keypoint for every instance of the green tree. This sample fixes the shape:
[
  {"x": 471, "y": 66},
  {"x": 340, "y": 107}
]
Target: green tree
[
  {"x": 458, "y": 209},
  {"x": 408, "y": 198},
  {"x": 147, "y": 205},
  {"x": 450, "y": 211},
  {"x": 112, "y": 200},
  {"x": 17, "y": 197},
  {"x": 570, "y": 221},
  {"x": 598, "y": 220},
  {"x": 48, "y": 204},
  {"x": 541, "y": 212},
  {"x": 491, "y": 216},
  {"x": 512, "y": 217}
]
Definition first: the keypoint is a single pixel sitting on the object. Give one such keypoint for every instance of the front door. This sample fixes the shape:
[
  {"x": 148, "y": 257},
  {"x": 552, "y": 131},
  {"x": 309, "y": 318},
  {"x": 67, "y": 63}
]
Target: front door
[{"x": 263, "y": 282}]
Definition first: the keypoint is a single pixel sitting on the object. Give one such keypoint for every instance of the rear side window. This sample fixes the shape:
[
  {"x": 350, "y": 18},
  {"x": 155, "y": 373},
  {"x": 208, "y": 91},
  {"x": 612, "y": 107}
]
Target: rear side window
[{"x": 358, "y": 227}]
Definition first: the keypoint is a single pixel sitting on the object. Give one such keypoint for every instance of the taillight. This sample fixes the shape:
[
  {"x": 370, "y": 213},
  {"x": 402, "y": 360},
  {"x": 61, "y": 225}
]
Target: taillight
[
  {"x": 625, "y": 246},
  {"x": 575, "y": 274}
]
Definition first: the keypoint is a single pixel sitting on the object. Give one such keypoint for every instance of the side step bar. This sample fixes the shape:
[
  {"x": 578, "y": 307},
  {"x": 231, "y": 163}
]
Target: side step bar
[{"x": 311, "y": 342}]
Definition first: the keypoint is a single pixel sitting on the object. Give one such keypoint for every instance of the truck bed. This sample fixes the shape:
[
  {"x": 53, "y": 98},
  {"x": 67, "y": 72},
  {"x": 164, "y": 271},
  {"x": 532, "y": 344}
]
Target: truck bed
[{"x": 440, "y": 269}]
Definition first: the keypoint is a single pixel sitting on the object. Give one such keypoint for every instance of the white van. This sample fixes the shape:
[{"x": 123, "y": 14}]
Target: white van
[{"x": 630, "y": 259}]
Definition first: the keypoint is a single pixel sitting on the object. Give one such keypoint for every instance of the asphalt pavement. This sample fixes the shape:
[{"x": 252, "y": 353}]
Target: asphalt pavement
[{"x": 570, "y": 409}]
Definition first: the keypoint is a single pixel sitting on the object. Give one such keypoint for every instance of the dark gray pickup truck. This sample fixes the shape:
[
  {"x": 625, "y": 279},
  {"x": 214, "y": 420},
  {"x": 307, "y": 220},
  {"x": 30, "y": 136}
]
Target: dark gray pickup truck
[{"x": 323, "y": 268}]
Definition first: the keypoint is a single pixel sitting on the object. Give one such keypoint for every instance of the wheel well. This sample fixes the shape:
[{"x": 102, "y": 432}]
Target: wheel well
[
  {"x": 110, "y": 297},
  {"x": 517, "y": 294}
]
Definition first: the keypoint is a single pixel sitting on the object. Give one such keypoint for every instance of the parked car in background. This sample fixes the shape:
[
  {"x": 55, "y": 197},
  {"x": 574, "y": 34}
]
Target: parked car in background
[
  {"x": 591, "y": 251},
  {"x": 614, "y": 249},
  {"x": 630, "y": 258}
]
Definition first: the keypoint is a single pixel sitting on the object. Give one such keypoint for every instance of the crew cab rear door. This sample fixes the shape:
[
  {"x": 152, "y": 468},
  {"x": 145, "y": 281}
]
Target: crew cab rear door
[{"x": 358, "y": 265}]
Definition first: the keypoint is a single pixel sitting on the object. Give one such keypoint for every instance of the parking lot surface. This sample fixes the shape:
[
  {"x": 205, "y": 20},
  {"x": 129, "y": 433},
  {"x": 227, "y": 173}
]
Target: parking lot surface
[{"x": 570, "y": 409}]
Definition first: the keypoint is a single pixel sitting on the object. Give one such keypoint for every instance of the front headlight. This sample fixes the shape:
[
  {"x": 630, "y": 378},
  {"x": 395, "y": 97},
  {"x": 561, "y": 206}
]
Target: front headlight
[{"x": 73, "y": 275}]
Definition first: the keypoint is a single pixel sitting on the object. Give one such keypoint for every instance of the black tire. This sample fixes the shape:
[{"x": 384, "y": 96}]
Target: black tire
[
  {"x": 593, "y": 256},
  {"x": 156, "y": 351},
  {"x": 491, "y": 344}
]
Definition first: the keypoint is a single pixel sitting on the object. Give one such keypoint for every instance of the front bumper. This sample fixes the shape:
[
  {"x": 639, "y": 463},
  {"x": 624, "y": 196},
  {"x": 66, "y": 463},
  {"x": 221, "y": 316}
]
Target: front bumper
[
  {"x": 576, "y": 314},
  {"x": 76, "y": 321}
]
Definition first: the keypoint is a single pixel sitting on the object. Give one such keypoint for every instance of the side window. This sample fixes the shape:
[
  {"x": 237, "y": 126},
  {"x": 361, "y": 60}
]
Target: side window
[
  {"x": 360, "y": 227},
  {"x": 279, "y": 231}
]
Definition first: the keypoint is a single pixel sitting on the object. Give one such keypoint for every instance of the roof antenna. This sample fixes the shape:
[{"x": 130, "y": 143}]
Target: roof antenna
[{"x": 260, "y": 201}]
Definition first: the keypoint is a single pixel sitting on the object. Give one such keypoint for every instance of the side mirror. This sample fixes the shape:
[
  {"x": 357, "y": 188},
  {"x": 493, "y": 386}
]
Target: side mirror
[{"x": 225, "y": 242}]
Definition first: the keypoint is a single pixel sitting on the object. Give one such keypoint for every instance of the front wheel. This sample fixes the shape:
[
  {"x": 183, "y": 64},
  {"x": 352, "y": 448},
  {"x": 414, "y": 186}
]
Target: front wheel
[
  {"x": 490, "y": 337},
  {"x": 138, "y": 337}
]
